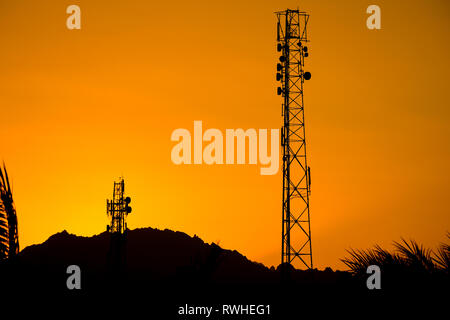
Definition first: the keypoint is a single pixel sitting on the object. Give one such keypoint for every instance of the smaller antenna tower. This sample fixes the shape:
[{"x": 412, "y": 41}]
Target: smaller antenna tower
[{"x": 117, "y": 210}]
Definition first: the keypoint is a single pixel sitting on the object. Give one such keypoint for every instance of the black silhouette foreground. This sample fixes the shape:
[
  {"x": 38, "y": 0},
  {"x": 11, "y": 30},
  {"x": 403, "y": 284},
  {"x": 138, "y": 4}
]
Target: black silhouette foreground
[{"x": 167, "y": 269}]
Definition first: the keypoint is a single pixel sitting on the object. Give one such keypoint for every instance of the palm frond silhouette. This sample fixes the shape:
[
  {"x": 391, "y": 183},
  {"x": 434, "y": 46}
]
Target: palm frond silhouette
[
  {"x": 442, "y": 256},
  {"x": 408, "y": 261},
  {"x": 9, "y": 240},
  {"x": 416, "y": 256}
]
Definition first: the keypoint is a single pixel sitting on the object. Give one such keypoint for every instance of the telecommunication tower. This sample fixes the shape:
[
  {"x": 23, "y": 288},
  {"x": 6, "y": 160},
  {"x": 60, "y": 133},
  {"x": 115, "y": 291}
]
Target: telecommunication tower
[
  {"x": 292, "y": 38},
  {"x": 117, "y": 210}
]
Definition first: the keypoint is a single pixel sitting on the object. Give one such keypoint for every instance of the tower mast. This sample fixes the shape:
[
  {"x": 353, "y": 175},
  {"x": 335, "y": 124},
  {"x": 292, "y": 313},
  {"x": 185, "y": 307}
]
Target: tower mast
[
  {"x": 117, "y": 210},
  {"x": 292, "y": 38}
]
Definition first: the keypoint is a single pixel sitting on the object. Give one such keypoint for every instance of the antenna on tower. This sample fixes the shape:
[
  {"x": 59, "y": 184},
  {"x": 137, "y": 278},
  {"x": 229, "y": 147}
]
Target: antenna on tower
[{"x": 292, "y": 38}]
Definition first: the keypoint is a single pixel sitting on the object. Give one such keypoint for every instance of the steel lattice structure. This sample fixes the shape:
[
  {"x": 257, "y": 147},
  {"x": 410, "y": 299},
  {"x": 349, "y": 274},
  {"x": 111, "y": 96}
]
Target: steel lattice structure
[
  {"x": 118, "y": 208},
  {"x": 296, "y": 231}
]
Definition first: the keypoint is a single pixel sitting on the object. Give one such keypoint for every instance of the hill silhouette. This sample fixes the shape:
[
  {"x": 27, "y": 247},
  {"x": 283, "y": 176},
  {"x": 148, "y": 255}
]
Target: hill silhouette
[
  {"x": 160, "y": 254},
  {"x": 152, "y": 256}
]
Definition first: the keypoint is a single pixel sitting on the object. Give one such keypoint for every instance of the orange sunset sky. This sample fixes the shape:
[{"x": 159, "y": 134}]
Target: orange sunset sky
[{"x": 79, "y": 108}]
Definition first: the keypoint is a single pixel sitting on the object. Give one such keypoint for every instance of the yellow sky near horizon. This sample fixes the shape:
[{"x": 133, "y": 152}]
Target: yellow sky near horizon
[{"x": 79, "y": 108}]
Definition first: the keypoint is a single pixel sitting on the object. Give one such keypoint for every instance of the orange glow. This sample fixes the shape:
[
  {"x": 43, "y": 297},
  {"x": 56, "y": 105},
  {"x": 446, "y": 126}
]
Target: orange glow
[{"x": 79, "y": 108}]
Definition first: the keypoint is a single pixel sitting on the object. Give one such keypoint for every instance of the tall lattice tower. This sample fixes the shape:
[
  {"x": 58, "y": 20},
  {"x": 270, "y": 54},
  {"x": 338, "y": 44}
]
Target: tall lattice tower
[{"x": 292, "y": 38}]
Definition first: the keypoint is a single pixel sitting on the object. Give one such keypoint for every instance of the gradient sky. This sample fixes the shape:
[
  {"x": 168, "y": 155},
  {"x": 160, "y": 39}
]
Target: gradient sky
[{"x": 79, "y": 108}]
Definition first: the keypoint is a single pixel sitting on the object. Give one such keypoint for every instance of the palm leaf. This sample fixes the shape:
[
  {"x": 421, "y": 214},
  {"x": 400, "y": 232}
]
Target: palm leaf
[
  {"x": 415, "y": 255},
  {"x": 9, "y": 241},
  {"x": 442, "y": 257},
  {"x": 4, "y": 234},
  {"x": 409, "y": 257}
]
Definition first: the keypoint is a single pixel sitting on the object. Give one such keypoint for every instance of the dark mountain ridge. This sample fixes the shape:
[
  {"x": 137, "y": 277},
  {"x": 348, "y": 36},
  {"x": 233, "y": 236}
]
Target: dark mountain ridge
[{"x": 156, "y": 256}]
